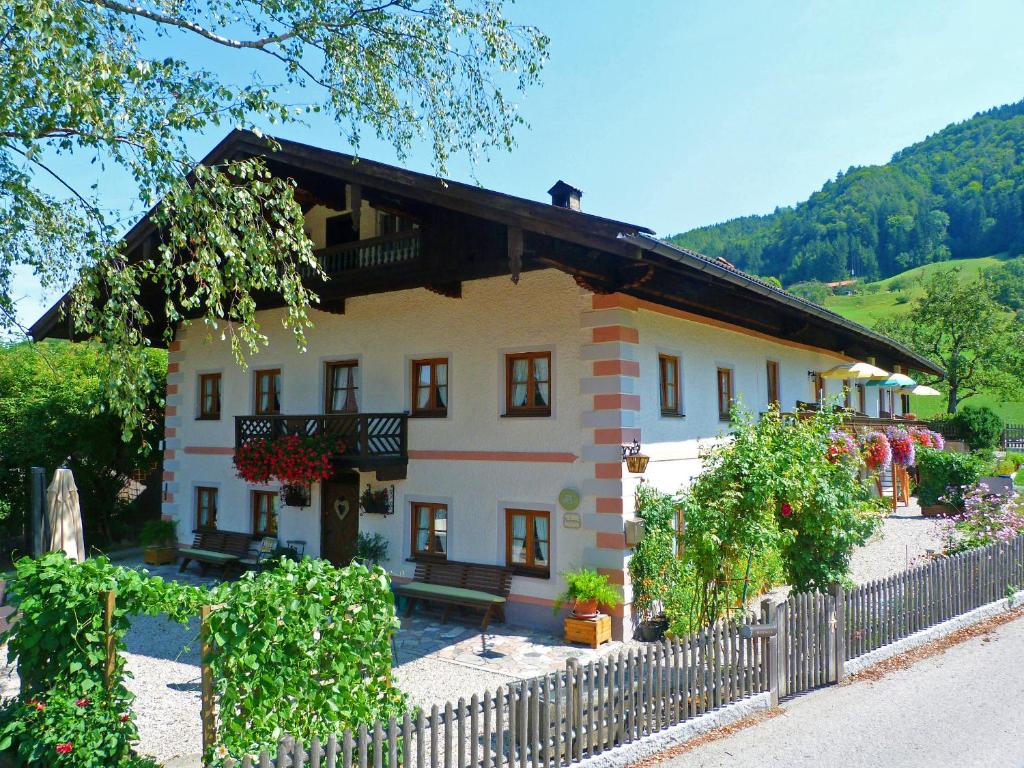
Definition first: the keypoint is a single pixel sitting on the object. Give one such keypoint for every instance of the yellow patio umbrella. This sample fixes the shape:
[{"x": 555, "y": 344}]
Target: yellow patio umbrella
[
  {"x": 855, "y": 371},
  {"x": 920, "y": 389},
  {"x": 65, "y": 516}
]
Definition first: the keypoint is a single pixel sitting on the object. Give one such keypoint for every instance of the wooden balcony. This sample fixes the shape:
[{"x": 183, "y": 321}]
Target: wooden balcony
[
  {"x": 372, "y": 253},
  {"x": 374, "y": 442},
  {"x": 858, "y": 423}
]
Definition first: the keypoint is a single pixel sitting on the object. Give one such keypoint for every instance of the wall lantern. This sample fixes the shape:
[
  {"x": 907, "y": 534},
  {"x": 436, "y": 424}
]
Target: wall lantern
[{"x": 636, "y": 462}]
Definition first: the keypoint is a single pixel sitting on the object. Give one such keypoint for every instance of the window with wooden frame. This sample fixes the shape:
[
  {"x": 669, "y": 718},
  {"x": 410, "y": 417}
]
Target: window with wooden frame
[
  {"x": 264, "y": 513},
  {"x": 268, "y": 391},
  {"x": 862, "y": 399},
  {"x": 528, "y": 542},
  {"x": 209, "y": 396},
  {"x": 429, "y": 530},
  {"x": 206, "y": 508},
  {"x": 724, "y": 393},
  {"x": 342, "y": 387},
  {"x": 430, "y": 387},
  {"x": 772, "y": 373},
  {"x": 528, "y": 384},
  {"x": 668, "y": 373}
]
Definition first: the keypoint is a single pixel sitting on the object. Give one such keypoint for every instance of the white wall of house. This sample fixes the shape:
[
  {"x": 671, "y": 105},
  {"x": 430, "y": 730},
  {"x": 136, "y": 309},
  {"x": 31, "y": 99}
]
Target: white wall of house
[{"x": 385, "y": 333}]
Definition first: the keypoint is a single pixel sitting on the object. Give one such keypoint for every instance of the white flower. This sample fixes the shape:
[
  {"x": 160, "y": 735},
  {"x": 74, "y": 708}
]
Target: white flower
[{"x": 221, "y": 752}]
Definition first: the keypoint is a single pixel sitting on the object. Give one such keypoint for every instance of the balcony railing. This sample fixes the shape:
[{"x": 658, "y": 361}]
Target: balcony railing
[
  {"x": 373, "y": 441},
  {"x": 374, "y": 252}
]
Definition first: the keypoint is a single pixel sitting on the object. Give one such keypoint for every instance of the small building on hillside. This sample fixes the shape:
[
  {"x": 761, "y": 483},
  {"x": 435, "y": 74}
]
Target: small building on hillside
[{"x": 484, "y": 359}]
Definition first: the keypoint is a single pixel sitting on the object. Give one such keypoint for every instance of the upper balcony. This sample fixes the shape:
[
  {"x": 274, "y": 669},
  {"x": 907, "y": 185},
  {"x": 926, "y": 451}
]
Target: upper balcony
[
  {"x": 374, "y": 442},
  {"x": 371, "y": 253}
]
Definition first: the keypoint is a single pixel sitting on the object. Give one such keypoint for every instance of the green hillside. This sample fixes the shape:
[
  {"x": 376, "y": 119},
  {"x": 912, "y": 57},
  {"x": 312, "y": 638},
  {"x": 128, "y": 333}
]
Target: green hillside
[
  {"x": 957, "y": 194},
  {"x": 868, "y": 308}
]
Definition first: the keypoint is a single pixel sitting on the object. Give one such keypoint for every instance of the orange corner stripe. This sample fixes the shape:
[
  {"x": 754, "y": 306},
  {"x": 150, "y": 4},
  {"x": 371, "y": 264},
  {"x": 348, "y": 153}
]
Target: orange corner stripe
[
  {"x": 616, "y": 402},
  {"x": 616, "y": 368},
  {"x": 616, "y": 333},
  {"x": 210, "y": 450}
]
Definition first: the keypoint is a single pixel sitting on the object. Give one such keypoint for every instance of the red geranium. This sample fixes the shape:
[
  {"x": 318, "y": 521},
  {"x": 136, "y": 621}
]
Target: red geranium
[
  {"x": 786, "y": 509},
  {"x": 64, "y": 748},
  {"x": 291, "y": 459}
]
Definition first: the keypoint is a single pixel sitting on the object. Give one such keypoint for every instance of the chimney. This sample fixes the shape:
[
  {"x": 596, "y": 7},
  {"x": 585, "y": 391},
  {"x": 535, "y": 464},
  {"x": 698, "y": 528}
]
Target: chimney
[{"x": 565, "y": 196}]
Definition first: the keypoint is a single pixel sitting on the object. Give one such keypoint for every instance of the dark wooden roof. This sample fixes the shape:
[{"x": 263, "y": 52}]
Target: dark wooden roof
[{"x": 469, "y": 233}]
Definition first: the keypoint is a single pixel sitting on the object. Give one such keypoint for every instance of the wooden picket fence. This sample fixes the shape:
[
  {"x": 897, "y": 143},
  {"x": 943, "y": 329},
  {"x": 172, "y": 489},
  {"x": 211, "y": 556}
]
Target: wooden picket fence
[
  {"x": 1013, "y": 437},
  {"x": 579, "y": 712},
  {"x": 559, "y": 718}
]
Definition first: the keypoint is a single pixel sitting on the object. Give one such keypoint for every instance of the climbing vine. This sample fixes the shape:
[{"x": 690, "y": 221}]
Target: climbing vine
[{"x": 302, "y": 649}]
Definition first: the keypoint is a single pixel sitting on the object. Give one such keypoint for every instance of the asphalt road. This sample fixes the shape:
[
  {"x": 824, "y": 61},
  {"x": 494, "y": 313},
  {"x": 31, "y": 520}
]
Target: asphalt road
[{"x": 962, "y": 708}]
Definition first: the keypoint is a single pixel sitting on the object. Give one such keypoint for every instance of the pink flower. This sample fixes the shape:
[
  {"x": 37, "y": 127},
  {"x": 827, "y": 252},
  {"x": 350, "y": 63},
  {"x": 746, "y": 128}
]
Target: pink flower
[
  {"x": 64, "y": 748},
  {"x": 84, "y": 702},
  {"x": 786, "y": 509}
]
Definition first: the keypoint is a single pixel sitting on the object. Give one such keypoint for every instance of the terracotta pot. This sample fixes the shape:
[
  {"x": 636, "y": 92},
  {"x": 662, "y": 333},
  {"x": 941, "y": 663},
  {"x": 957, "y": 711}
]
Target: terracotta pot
[{"x": 584, "y": 609}]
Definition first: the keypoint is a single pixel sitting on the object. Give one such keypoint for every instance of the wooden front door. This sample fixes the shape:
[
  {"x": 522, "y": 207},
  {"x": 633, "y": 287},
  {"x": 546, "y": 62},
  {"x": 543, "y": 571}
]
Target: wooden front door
[{"x": 339, "y": 519}]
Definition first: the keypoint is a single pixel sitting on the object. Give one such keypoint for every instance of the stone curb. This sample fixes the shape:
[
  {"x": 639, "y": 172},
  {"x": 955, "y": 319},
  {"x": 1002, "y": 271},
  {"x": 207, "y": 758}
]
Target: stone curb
[
  {"x": 620, "y": 757},
  {"x": 933, "y": 633}
]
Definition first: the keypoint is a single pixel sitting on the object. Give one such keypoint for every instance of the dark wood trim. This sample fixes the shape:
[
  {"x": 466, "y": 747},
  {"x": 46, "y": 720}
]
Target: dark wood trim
[
  {"x": 528, "y": 569},
  {"x": 531, "y": 384}
]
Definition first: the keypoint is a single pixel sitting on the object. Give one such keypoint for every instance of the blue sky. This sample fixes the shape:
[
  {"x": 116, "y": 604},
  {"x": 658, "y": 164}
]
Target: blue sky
[{"x": 678, "y": 114}]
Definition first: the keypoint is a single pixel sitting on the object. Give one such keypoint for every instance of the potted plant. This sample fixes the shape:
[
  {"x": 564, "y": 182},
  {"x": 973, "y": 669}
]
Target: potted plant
[
  {"x": 586, "y": 590},
  {"x": 371, "y": 549},
  {"x": 160, "y": 541},
  {"x": 295, "y": 494},
  {"x": 377, "y": 502}
]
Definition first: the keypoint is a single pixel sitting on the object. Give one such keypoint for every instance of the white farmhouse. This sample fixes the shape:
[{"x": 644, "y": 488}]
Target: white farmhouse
[{"x": 484, "y": 359}]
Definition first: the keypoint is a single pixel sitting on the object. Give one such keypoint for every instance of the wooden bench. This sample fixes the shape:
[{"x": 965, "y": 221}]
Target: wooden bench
[
  {"x": 221, "y": 548},
  {"x": 455, "y": 584}
]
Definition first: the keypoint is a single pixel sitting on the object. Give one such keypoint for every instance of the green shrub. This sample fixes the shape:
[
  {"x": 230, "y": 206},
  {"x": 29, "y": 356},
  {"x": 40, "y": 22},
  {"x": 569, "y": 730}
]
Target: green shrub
[
  {"x": 1016, "y": 458},
  {"x": 1005, "y": 467},
  {"x": 159, "y": 533},
  {"x": 942, "y": 470},
  {"x": 585, "y": 584},
  {"x": 980, "y": 427},
  {"x": 653, "y": 564},
  {"x": 371, "y": 549}
]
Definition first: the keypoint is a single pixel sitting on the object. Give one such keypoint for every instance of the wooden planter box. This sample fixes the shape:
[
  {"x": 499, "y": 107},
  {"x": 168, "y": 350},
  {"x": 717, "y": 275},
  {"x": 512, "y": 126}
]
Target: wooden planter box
[
  {"x": 593, "y": 631},
  {"x": 159, "y": 555},
  {"x": 939, "y": 510}
]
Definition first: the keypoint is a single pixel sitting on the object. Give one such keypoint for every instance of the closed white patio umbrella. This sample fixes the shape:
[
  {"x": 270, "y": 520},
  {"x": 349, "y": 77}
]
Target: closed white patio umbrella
[{"x": 65, "y": 516}]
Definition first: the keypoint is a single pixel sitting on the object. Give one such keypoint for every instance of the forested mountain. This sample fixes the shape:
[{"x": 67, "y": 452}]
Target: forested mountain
[{"x": 957, "y": 194}]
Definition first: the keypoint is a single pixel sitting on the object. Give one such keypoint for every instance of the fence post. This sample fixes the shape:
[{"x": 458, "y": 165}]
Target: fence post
[
  {"x": 108, "y": 639},
  {"x": 207, "y": 703},
  {"x": 771, "y": 661},
  {"x": 839, "y": 628}
]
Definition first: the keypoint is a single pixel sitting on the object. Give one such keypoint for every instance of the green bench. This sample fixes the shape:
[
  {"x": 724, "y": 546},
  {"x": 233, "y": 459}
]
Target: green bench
[
  {"x": 456, "y": 584},
  {"x": 221, "y": 548}
]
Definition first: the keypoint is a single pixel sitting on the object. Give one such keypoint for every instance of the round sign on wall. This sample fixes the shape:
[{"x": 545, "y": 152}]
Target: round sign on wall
[{"x": 569, "y": 498}]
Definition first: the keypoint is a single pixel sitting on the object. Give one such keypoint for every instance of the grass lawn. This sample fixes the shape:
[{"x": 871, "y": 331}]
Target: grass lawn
[{"x": 868, "y": 308}]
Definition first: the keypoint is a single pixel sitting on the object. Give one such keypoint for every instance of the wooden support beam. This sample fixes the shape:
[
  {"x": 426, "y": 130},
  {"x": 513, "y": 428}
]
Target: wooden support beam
[
  {"x": 515, "y": 252},
  {"x": 336, "y": 306},
  {"x": 355, "y": 202}
]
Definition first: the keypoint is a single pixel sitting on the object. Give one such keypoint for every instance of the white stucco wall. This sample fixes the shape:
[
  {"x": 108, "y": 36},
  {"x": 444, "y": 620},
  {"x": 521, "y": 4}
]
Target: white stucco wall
[
  {"x": 385, "y": 333},
  {"x": 674, "y": 442}
]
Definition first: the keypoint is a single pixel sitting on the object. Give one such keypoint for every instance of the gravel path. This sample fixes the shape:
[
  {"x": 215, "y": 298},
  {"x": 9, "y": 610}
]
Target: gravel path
[
  {"x": 905, "y": 537},
  {"x": 957, "y": 708}
]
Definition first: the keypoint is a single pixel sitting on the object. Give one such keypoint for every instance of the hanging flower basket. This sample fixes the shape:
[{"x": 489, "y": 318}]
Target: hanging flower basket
[
  {"x": 927, "y": 438},
  {"x": 290, "y": 459},
  {"x": 901, "y": 446},
  {"x": 295, "y": 494},
  {"x": 875, "y": 451},
  {"x": 840, "y": 447}
]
